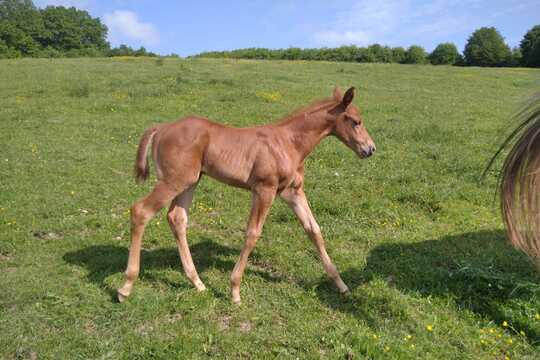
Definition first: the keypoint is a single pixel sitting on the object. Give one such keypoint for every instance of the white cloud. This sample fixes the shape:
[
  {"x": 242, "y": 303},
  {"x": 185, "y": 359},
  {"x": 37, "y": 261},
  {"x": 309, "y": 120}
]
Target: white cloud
[
  {"x": 365, "y": 21},
  {"x": 336, "y": 38},
  {"x": 125, "y": 26},
  {"x": 388, "y": 22}
]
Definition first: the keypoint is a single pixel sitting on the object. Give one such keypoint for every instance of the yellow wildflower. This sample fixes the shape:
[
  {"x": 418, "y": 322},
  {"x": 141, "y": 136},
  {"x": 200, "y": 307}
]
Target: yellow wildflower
[
  {"x": 505, "y": 324},
  {"x": 429, "y": 328}
]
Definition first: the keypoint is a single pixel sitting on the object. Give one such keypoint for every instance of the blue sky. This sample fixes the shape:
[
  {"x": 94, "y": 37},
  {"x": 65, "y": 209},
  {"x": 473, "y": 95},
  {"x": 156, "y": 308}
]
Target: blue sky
[{"x": 189, "y": 27}]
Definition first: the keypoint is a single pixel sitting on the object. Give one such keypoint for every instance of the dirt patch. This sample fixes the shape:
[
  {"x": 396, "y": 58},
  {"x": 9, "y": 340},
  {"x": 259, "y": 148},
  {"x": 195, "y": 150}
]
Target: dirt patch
[
  {"x": 144, "y": 329},
  {"x": 89, "y": 327},
  {"x": 4, "y": 258},
  {"x": 264, "y": 266},
  {"x": 225, "y": 322},
  {"x": 172, "y": 318},
  {"x": 245, "y": 326},
  {"x": 24, "y": 354},
  {"x": 47, "y": 235}
]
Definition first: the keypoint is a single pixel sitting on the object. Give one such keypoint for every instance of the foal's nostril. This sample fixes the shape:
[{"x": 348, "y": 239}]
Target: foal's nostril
[{"x": 373, "y": 148}]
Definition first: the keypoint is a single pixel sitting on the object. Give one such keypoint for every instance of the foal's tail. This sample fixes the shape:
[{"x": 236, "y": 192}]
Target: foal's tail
[
  {"x": 142, "y": 170},
  {"x": 519, "y": 182}
]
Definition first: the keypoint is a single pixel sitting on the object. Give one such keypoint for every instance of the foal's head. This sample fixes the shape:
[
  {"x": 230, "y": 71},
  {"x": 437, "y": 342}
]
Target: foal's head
[{"x": 349, "y": 125}]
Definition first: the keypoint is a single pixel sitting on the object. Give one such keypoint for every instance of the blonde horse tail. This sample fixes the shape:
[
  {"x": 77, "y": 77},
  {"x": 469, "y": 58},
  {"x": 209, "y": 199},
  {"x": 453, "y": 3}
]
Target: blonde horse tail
[
  {"x": 519, "y": 182},
  {"x": 142, "y": 170}
]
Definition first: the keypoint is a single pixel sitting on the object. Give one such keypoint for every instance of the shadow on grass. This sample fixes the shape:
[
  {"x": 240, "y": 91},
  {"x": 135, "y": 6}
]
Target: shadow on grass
[
  {"x": 105, "y": 260},
  {"x": 478, "y": 271}
]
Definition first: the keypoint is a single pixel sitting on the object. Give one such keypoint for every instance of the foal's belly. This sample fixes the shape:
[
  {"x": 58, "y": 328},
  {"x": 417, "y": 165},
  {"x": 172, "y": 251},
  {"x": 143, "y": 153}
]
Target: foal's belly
[{"x": 229, "y": 165}]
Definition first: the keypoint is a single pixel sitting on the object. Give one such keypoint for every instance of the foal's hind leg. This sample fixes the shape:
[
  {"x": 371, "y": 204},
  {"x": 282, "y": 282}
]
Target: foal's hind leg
[
  {"x": 141, "y": 212},
  {"x": 178, "y": 218},
  {"x": 296, "y": 199}
]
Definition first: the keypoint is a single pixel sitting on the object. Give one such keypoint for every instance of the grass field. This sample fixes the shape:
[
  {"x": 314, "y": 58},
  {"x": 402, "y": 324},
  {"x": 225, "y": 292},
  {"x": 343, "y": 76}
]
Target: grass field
[{"x": 414, "y": 231}]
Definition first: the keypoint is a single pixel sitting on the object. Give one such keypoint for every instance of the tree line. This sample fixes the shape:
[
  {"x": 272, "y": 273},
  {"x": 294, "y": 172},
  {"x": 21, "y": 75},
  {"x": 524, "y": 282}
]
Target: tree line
[
  {"x": 485, "y": 47},
  {"x": 55, "y": 31}
]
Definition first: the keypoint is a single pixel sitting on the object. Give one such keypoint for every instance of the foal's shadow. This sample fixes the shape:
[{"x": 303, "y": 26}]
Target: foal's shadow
[
  {"x": 105, "y": 260},
  {"x": 477, "y": 270}
]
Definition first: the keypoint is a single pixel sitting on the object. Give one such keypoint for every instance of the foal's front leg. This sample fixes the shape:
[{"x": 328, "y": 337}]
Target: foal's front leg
[
  {"x": 261, "y": 201},
  {"x": 296, "y": 199}
]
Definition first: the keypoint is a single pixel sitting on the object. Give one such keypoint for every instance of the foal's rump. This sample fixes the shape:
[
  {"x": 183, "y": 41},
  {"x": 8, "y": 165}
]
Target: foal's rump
[{"x": 168, "y": 141}]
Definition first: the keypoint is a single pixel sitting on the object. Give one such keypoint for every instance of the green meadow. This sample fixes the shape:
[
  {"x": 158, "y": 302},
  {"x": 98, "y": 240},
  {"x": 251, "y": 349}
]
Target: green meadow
[{"x": 414, "y": 230}]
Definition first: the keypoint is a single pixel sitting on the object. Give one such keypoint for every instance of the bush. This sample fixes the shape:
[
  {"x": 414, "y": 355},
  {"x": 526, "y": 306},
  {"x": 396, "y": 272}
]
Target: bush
[
  {"x": 486, "y": 47},
  {"x": 8, "y": 53},
  {"x": 399, "y": 54},
  {"x": 415, "y": 55},
  {"x": 530, "y": 47},
  {"x": 50, "y": 52},
  {"x": 444, "y": 54}
]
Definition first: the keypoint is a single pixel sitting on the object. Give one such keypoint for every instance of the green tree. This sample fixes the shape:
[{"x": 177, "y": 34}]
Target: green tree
[
  {"x": 444, "y": 54},
  {"x": 415, "y": 55},
  {"x": 530, "y": 47},
  {"x": 70, "y": 28},
  {"x": 17, "y": 41},
  {"x": 398, "y": 54},
  {"x": 25, "y": 16},
  {"x": 21, "y": 28},
  {"x": 486, "y": 47}
]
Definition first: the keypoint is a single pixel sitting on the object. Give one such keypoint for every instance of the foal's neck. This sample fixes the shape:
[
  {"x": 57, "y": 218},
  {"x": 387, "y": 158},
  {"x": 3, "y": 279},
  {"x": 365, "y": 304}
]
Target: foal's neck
[{"x": 306, "y": 130}]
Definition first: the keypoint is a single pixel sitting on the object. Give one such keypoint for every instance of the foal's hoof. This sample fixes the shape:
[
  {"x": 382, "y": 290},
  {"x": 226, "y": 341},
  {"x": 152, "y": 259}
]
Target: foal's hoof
[
  {"x": 121, "y": 297},
  {"x": 346, "y": 294},
  {"x": 200, "y": 286},
  {"x": 237, "y": 302}
]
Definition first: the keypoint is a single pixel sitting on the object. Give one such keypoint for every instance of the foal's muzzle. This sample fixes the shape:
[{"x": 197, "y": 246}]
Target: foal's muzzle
[{"x": 367, "y": 152}]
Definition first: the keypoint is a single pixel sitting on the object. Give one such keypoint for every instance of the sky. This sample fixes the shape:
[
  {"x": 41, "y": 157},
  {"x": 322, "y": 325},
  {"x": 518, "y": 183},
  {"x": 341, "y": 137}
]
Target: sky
[{"x": 190, "y": 27}]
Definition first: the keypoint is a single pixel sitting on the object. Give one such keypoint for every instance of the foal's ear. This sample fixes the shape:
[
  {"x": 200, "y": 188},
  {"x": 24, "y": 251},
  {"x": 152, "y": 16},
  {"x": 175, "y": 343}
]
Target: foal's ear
[
  {"x": 338, "y": 94},
  {"x": 348, "y": 97}
]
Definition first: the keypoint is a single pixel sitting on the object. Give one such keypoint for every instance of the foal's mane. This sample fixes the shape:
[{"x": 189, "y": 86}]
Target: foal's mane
[{"x": 318, "y": 105}]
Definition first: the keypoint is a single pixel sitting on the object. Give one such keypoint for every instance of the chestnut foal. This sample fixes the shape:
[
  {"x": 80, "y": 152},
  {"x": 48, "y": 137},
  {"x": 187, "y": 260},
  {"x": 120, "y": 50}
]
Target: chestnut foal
[{"x": 268, "y": 160}]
